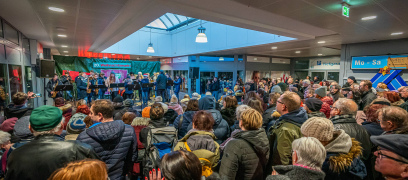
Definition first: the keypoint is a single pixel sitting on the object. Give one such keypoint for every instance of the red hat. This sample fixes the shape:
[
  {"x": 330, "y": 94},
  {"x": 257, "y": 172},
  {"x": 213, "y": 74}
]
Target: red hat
[{"x": 145, "y": 74}]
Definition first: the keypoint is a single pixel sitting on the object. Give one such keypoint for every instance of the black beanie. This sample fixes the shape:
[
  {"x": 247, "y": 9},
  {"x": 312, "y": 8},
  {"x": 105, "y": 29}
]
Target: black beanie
[{"x": 313, "y": 104}]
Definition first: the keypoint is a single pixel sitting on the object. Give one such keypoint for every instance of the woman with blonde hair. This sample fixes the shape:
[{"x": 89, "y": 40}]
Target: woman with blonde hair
[{"x": 87, "y": 169}]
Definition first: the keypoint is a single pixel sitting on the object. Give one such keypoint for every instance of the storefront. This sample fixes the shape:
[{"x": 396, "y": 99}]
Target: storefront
[{"x": 327, "y": 68}]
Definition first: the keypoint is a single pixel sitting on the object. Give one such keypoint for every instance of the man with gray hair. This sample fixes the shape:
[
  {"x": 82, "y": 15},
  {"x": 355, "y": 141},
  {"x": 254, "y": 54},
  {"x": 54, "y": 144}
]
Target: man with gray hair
[
  {"x": 305, "y": 84},
  {"x": 48, "y": 151},
  {"x": 343, "y": 116}
]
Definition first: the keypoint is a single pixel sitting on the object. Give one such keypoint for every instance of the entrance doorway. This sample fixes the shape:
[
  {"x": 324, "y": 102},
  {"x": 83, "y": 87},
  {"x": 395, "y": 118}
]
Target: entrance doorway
[{"x": 328, "y": 75}]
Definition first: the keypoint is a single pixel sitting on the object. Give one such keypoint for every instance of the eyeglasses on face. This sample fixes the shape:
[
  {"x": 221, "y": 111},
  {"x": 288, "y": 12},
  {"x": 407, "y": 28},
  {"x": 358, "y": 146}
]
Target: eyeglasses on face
[{"x": 381, "y": 156}]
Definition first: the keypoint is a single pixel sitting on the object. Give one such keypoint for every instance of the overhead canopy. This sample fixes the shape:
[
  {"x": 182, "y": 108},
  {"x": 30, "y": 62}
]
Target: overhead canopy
[{"x": 170, "y": 21}]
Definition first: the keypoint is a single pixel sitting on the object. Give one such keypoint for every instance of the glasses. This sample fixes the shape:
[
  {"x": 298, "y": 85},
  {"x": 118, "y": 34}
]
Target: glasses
[{"x": 381, "y": 156}]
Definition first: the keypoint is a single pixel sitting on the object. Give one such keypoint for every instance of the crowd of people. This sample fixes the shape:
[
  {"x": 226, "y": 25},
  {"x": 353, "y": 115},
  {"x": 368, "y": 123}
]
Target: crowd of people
[{"x": 263, "y": 129}]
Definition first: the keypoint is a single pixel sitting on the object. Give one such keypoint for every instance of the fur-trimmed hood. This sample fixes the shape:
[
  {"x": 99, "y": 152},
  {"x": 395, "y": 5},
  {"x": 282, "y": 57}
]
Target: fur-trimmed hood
[
  {"x": 65, "y": 108},
  {"x": 342, "y": 161}
]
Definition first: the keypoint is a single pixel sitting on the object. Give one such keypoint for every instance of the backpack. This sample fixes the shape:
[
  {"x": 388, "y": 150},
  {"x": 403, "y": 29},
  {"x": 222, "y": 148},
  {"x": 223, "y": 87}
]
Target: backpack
[
  {"x": 160, "y": 141},
  {"x": 205, "y": 163}
]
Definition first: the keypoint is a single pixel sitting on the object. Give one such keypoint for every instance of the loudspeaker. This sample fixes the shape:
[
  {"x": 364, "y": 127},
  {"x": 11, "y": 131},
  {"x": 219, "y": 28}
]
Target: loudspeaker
[
  {"x": 45, "y": 68},
  {"x": 194, "y": 72},
  {"x": 47, "y": 53}
]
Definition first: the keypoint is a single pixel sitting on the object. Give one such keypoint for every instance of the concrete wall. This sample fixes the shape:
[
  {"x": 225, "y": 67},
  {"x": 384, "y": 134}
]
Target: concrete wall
[{"x": 390, "y": 47}]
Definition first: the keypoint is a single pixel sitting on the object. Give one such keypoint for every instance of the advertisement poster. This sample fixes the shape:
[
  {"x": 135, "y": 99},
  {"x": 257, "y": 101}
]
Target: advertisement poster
[{"x": 120, "y": 74}]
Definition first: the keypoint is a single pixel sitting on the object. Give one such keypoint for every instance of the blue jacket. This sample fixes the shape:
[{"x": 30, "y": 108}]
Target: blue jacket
[
  {"x": 143, "y": 81},
  {"x": 373, "y": 128},
  {"x": 81, "y": 87},
  {"x": 187, "y": 120},
  {"x": 127, "y": 91},
  {"x": 101, "y": 81},
  {"x": 161, "y": 81},
  {"x": 177, "y": 84},
  {"x": 116, "y": 145}
]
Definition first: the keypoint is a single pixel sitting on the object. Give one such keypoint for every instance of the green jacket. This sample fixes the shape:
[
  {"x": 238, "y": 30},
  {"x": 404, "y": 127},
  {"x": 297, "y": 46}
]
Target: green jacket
[
  {"x": 281, "y": 136},
  {"x": 197, "y": 139}
]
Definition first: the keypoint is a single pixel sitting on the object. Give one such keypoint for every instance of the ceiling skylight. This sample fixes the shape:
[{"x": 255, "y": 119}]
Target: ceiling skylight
[{"x": 170, "y": 21}]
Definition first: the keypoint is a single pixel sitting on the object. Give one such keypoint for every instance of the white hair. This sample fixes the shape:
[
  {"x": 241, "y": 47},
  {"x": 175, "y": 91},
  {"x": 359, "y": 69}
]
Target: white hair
[
  {"x": 346, "y": 106},
  {"x": 310, "y": 152},
  {"x": 4, "y": 137},
  {"x": 307, "y": 82},
  {"x": 158, "y": 99},
  {"x": 240, "y": 109},
  {"x": 54, "y": 130}
]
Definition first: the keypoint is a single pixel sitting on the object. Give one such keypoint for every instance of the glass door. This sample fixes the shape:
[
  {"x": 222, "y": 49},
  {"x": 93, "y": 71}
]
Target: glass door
[
  {"x": 333, "y": 76},
  {"x": 4, "y": 88},
  {"x": 205, "y": 79},
  {"x": 320, "y": 74},
  {"x": 28, "y": 84}
]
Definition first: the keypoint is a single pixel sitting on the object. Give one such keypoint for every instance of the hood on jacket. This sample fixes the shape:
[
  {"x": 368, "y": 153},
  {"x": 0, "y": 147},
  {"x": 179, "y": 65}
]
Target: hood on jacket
[
  {"x": 216, "y": 115},
  {"x": 21, "y": 129},
  {"x": 296, "y": 172},
  {"x": 170, "y": 116},
  {"x": 65, "y": 108},
  {"x": 342, "y": 161},
  {"x": 108, "y": 133},
  {"x": 397, "y": 103},
  {"x": 158, "y": 123},
  {"x": 140, "y": 121},
  {"x": 257, "y": 139},
  {"x": 177, "y": 108},
  {"x": 207, "y": 102},
  {"x": 341, "y": 142},
  {"x": 15, "y": 111},
  {"x": 298, "y": 116},
  {"x": 200, "y": 140}
]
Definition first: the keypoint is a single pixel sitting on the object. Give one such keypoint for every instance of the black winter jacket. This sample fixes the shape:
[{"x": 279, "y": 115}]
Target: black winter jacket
[
  {"x": 170, "y": 116},
  {"x": 81, "y": 88},
  {"x": 16, "y": 111},
  {"x": 119, "y": 114},
  {"x": 215, "y": 86},
  {"x": 187, "y": 120},
  {"x": 229, "y": 115},
  {"x": 267, "y": 116},
  {"x": 349, "y": 125},
  {"x": 221, "y": 129},
  {"x": 373, "y": 128},
  {"x": 290, "y": 172},
  {"x": 366, "y": 99},
  {"x": 116, "y": 144},
  {"x": 39, "y": 158},
  {"x": 161, "y": 81},
  {"x": 245, "y": 156}
]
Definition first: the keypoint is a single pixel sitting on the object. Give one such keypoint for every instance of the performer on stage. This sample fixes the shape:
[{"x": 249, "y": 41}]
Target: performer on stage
[
  {"x": 80, "y": 82},
  {"x": 111, "y": 80},
  {"x": 168, "y": 89},
  {"x": 95, "y": 92},
  {"x": 161, "y": 83},
  {"x": 66, "y": 80},
  {"x": 139, "y": 77},
  {"x": 128, "y": 93},
  {"x": 52, "y": 83},
  {"x": 102, "y": 81},
  {"x": 145, "y": 92},
  {"x": 177, "y": 83}
]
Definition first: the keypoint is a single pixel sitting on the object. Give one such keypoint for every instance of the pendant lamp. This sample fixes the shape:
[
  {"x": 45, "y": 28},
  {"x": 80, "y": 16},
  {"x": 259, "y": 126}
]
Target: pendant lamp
[
  {"x": 201, "y": 37},
  {"x": 150, "y": 48}
]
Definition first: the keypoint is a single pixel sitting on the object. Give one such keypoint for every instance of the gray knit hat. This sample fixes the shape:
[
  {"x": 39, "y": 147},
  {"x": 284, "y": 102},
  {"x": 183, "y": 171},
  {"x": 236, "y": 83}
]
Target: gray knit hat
[
  {"x": 128, "y": 103},
  {"x": 276, "y": 89},
  {"x": 321, "y": 91},
  {"x": 319, "y": 128}
]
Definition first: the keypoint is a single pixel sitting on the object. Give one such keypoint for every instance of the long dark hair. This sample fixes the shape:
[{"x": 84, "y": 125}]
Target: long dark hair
[{"x": 181, "y": 164}]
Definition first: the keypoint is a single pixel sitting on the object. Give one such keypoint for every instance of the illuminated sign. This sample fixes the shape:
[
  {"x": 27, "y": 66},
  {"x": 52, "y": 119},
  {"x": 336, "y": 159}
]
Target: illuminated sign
[
  {"x": 111, "y": 65},
  {"x": 346, "y": 10}
]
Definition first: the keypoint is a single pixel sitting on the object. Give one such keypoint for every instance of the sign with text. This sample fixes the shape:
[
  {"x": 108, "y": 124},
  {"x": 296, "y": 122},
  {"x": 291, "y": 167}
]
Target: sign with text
[
  {"x": 322, "y": 63},
  {"x": 111, "y": 65},
  {"x": 377, "y": 62}
]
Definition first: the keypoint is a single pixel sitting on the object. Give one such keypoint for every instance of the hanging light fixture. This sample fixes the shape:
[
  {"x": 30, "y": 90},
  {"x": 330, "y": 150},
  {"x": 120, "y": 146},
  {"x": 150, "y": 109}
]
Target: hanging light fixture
[
  {"x": 201, "y": 37},
  {"x": 150, "y": 46}
]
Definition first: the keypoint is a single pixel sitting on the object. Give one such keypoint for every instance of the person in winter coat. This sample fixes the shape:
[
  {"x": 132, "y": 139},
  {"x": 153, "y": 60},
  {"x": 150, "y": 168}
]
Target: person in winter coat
[
  {"x": 367, "y": 95},
  {"x": 221, "y": 128},
  {"x": 335, "y": 92},
  {"x": 312, "y": 106},
  {"x": 127, "y": 107},
  {"x": 48, "y": 152},
  {"x": 228, "y": 112},
  {"x": 350, "y": 81},
  {"x": 81, "y": 112},
  {"x": 286, "y": 129},
  {"x": 235, "y": 128},
  {"x": 327, "y": 101},
  {"x": 118, "y": 105},
  {"x": 161, "y": 84},
  {"x": 371, "y": 124},
  {"x": 170, "y": 115},
  {"x": 18, "y": 108},
  {"x": 114, "y": 141},
  {"x": 246, "y": 154},
  {"x": 343, "y": 117},
  {"x": 138, "y": 124},
  {"x": 308, "y": 157},
  {"x": 343, "y": 160},
  {"x": 393, "y": 119},
  {"x": 394, "y": 98},
  {"x": 81, "y": 85},
  {"x": 215, "y": 87},
  {"x": 177, "y": 83},
  {"x": 65, "y": 108},
  {"x": 201, "y": 139},
  {"x": 267, "y": 115},
  {"x": 156, "y": 121},
  {"x": 175, "y": 105}
]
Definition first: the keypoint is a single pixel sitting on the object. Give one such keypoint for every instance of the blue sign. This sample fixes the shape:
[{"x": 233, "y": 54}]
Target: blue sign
[
  {"x": 111, "y": 65},
  {"x": 371, "y": 62}
]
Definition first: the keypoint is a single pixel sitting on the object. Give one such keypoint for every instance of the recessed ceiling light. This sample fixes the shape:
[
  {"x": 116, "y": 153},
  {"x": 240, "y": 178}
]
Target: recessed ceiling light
[
  {"x": 321, "y": 42},
  {"x": 56, "y": 9},
  {"x": 66, "y": 55},
  {"x": 274, "y": 47},
  {"x": 320, "y": 54},
  {"x": 368, "y": 18},
  {"x": 65, "y": 51},
  {"x": 62, "y": 35},
  {"x": 396, "y": 33},
  {"x": 297, "y": 52},
  {"x": 255, "y": 59},
  {"x": 64, "y": 46}
]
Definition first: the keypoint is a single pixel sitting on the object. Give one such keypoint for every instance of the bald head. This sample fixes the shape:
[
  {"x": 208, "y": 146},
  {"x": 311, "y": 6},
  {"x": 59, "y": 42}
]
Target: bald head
[
  {"x": 291, "y": 101},
  {"x": 346, "y": 106}
]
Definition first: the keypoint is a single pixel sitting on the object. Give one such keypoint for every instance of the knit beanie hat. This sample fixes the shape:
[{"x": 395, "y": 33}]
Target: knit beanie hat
[
  {"x": 128, "y": 103},
  {"x": 146, "y": 112},
  {"x": 314, "y": 104},
  {"x": 283, "y": 86},
  {"x": 118, "y": 99},
  {"x": 76, "y": 126},
  {"x": 352, "y": 78},
  {"x": 319, "y": 128},
  {"x": 276, "y": 89},
  {"x": 45, "y": 118},
  {"x": 321, "y": 91}
]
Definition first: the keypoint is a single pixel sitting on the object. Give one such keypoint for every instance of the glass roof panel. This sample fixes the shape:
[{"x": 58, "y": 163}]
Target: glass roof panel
[{"x": 170, "y": 22}]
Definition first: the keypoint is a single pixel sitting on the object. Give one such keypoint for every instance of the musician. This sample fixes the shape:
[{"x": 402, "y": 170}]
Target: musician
[
  {"x": 128, "y": 93},
  {"x": 95, "y": 92},
  {"x": 52, "y": 83},
  {"x": 66, "y": 80},
  {"x": 139, "y": 77},
  {"x": 102, "y": 81},
  {"x": 132, "y": 75},
  {"x": 177, "y": 83},
  {"x": 168, "y": 88},
  {"x": 111, "y": 80},
  {"x": 145, "y": 91},
  {"x": 80, "y": 82}
]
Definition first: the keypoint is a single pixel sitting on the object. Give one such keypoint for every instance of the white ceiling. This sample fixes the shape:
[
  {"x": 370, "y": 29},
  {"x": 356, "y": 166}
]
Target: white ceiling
[{"x": 97, "y": 24}]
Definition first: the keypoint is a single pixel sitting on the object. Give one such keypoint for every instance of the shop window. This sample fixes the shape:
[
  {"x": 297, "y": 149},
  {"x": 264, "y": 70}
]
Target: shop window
[
  {"x": 205, "y": 79},
  {"x": 240, "y": 57},
  {"x": 301, "y": 74},
  {"x": 3, "y": 86},
  {"x": 302, "y": 64},
  {"x": 10, "y": 33},
  {"x": 29, "y": 84},
  {"x": 16, "y": 79},
  {"x": 263, "y": 74},
  {"x": 333, "y": 76}
]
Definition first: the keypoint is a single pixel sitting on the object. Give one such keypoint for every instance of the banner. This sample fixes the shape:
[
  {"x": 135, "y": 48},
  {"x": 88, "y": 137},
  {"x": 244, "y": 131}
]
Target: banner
[
  {"x": 111, "y": 65},
  {"x": 120, "y": 74},
  {"x": 377, "y": 62},
  {"x": 333, "y": 63}
]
